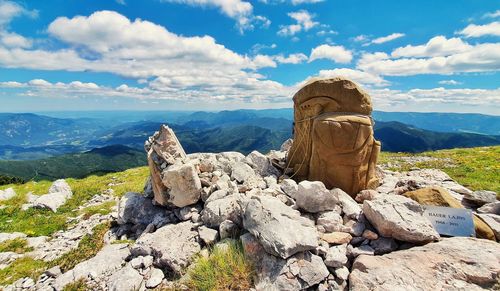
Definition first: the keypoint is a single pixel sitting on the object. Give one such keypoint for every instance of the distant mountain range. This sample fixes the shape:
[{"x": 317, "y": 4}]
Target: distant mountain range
[{"x": 55, "y": 146}]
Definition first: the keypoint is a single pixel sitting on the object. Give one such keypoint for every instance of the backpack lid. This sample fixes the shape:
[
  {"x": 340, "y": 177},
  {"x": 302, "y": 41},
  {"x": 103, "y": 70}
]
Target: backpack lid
[{"x": 347, "y": 94}]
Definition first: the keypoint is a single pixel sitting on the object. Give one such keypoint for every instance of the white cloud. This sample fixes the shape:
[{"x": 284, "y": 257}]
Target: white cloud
[
  {"x": 13, "y": 40},
  {"x": 10, "y": 9},
  {"x": 473, "y": 30},
  {"x": 360, "y": 38},
  {"x": 434, "y": 59},
  {"x": 262, "y": 61},
  {"x": 387, "y": 38},
  {"x": 335, "y": 53},
  {"x": 256, "y": 48},
  {"x": 291, "y": 59},
  {"x": 326, "y": 32},
  {"x": 239, "y": 10},
  {"x": 449, "y": 82},
  {"x": 304, "y": 21},
  {"x": 355, "y": 75},
  {"x": 121, "y": 2},
  {"x": 435, "y": 47},
  {"x": 494, "y": 14},
  {"x": 298, "y": 2},
  {"x": 39, "y": 83}
]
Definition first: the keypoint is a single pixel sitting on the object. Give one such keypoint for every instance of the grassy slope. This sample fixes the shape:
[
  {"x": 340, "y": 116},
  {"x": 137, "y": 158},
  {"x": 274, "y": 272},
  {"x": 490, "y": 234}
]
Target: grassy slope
[{"x": 475, "y": 168}]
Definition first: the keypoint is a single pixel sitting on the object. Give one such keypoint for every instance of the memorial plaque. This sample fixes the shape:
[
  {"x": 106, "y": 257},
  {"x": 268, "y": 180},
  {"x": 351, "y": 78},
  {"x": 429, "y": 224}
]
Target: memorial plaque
[{"x": 451, "y": 221}]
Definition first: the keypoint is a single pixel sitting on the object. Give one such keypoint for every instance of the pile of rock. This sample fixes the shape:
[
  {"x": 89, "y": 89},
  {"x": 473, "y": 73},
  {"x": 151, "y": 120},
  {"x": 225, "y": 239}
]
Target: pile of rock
[{"x": 299, "y": 236}]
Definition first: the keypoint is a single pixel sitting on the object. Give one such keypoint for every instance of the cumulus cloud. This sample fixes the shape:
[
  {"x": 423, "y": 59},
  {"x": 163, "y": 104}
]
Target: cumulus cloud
[
  {"x": 239, "y": 10},
  {"x": 473, "y": 30},
  {"x": 10, "y": 9},
  {"x": 355, "y": 75},
  {"x": 387, "y": 38},
  {"x": 291, "y": 59},
  {"x": 337, "y": 54},
  {"x": 304, "y": 21},
  {"x": 435, "y": 47},
  {"x": 449, "y": 82},
  {"x": 438, "y": 56},
  {"x": 493, "y": 14}
]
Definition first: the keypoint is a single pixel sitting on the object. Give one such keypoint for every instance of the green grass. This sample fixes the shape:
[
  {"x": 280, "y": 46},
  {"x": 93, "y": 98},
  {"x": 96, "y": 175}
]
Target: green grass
[
  {"x": 103, "y": 209},
  {"x": 224, "y": 269},
  {"x": 29, "y": 267},
  {"x": 36, "y": 222},
  {"x": 78, "y": 285},
  {"x": 17, "y": 245},
  {"x": 474, "y": 168}
]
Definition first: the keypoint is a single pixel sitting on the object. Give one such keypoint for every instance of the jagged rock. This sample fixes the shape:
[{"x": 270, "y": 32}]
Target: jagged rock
[
  {"x": 492, "y": 207},
  {"x": 242, "y": 172},
  {"x": 60, "y": 186},
  {"x": 298, "y": 272},
  {"x": 399, "y": 217},
  {"x": 337, "y": 238},
  {"x": 59, "y": 193},
  {"x": 262, "y": 164},
  {"x": 314, "y": 197},
  {"x": 148, "y": 188},
  {"x": 384, "y": 245},
  {"x": 126, "y": 279},
  {"x": 368, "y": 234},
  {"x": 336, "y": 256},
  {"x": 493, "y": 221},
  {"x": 366, "y": 195},
  {"x": 183, "y": 186},
  {"x": 8, "y": 257},
  {"x": 330, "y": 221},
  {"x": 350, "y": 207},
  {"x": 229, "y": 207},
  {"x": 207, "y": 235},
  {"x": 107, "y": 260},
  {"x": 137, "y": 209},
  {"x": 355, "y": 227},
  {"x": 7, "y": 194},
  {"x": 228, "y": 229},
  {"x": 456, "y": 263},
  {"x": 290, "y": 187},
  {"x": 280, "y": 229},
  {"x": 479, "y": 198},
  {"x": 173, "y": 246},
  {"x": 53, "y": 272},
  {"x": 342, "y": 273},
  {"x": 155, "y": 278},
  {"x": 286, "y": 145},
  {"x": 354, "y": 252}
]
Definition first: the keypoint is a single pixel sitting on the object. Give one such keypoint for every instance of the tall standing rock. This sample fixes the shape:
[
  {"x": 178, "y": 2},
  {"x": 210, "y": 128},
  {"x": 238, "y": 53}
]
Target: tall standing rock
[{"x": 163, "y": 148}]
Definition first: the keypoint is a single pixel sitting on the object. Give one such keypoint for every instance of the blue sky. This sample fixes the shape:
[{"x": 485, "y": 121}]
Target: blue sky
[{"x": 228, "y": 54}]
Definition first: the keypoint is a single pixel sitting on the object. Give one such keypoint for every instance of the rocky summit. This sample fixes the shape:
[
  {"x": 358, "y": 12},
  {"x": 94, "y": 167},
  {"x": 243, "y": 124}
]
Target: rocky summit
[{"x": 297, "y": 236}]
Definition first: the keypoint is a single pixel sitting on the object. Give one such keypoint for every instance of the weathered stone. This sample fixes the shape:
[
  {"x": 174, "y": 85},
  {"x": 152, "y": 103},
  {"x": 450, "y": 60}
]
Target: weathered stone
[
  {"x": 175, "y": 253},
  {"x": 229, "y": 207},
  {"x": 336, "y": 256},
  {"x": 342, "y": 273},
  {"x": 331, "y": 221},
  {"x": 493, "y": 208},
  {"x": 314, "y": 197},
  {"x": 155, "y": 278},
  {"x": 6, "y": 258},
  {"x": 399, "y": 217},
  {"x": 60, "y": 186},
  {"x": 350, "y": 207},
  {"x": 52, "y": 201},
  {"x": 53, "y": 272},
  {"x": 452, "y": 264},
  {"x": 11, "y": 235},
  {"x": 493, "y": 221},
  {"x": 207, "y": 235},
  {"x": 107, "y": 260},
  {"x": 228, "y": 229},
  {"x": 361, "y": 250},
  {"x": 479, "y": 198},
  {"x": 366, "y": 195},
  {"x": 384, "y": 245},
  {"x": 298, "y": 272},
  {"x": 262, "y": 164},
  {"x": 137, "y": 209},
  {"x": 290, "y": 187},
  {"x": 285, "y": 146},
  {"x": 355, "y": 227},
  {"x": 183, "y": 184},
  {"x": 280, "y": 229},
  {"x": 7, "y": 194},
  {"x": 368, "y": 234},
  {"x": 126, "y": 279},
  {"x": 242, "y": 172},
  {"x": 336, "y": 238},
  {"x": 148, "y": 188}
]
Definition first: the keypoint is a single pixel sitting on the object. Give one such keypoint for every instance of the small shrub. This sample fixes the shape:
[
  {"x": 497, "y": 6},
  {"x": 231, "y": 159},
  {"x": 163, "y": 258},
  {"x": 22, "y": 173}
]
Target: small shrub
[
  {"x": 224, "y": 269},
  {"x": 78, "y": 285}
]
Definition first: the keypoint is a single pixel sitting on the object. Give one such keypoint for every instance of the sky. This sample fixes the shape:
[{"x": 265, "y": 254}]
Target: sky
[{"x": 424, "y": 56}]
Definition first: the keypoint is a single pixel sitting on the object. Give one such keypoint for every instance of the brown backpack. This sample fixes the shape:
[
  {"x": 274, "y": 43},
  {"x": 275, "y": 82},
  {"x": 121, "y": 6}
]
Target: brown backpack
[{"x": 333, "y": 136}]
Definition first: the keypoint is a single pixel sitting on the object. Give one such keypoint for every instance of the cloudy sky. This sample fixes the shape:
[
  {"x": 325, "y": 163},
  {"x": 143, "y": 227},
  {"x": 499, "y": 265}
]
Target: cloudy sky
[{"x": 228, "y": 54}]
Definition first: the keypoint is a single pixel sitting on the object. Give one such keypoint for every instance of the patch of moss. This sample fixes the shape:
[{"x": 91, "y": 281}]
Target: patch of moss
[{"x": 17, "y": 245}]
